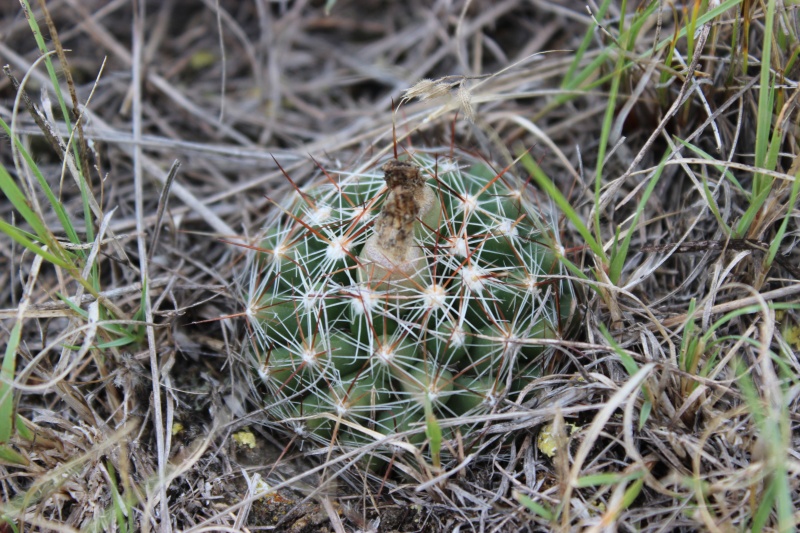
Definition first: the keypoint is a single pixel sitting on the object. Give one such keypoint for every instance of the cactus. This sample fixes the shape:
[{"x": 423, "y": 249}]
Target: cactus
[{"x": 373, "y": 295}]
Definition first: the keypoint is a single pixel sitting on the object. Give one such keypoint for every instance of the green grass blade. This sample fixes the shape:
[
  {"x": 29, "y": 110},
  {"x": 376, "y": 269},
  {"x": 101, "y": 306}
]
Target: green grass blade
[
  {"x": 708, "y": 16},
  {"x": 605, "y": 132},
  {"x": 766, "y": 95},
  {"x": 51, "y": 71},
  {"x": 627, "y": 361},
  {"x": 20, "y": 237},
  {"x": 23, "y": 430},
  {"x": 61, "y": 213},
  {"x": 598, "y": 480},
  {"x": 9, "y": 455},
  {"x": 750, "y": 214},
  {"x": 792, "y": 59},
  {"x": 721, "y": 168},
  {"x": 619, "y": 256},
  {"x": 644, "y": 414},
  {"x": 7, "y": 415},
  {"x": 764, "y": 509},
  {"x": 118, "y": 343},
  {"x": 776, "y": 242},
  {"x": 688, "y": 335},
  {"x": 569, "y": 82},
  {"x": 608, "y": 478},
  {"x": 8, "y": 521},
  {"x": 20, "y": 203},
  {"x": 534, "y": 507},
  {"x": 783, "y": 496},
  {"x": 552, "y": 191},
  {"x": 631, "y": 493},
  {"x": 117, "y": 503},
  {"x": 434, "y": 433},
  {"x": 42, "y": 45}
]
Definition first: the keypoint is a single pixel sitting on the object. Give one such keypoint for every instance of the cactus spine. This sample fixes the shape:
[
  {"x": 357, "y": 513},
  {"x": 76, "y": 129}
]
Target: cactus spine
[{"x": 367, "y": 301}]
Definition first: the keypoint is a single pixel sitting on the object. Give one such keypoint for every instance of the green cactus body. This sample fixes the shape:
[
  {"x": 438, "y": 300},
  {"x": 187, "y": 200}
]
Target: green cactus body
[{"x": 378, "y": 291}]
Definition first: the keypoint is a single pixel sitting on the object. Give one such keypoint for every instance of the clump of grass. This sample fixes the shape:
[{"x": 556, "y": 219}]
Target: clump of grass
[{"x": 61, "y": 253}]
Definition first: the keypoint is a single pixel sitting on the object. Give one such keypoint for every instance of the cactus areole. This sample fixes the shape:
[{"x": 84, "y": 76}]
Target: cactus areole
[{"x": 429, "y": 283}]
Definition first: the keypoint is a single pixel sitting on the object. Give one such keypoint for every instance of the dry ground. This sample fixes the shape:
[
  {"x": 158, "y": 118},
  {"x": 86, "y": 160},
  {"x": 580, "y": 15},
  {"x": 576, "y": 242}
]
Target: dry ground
[{"x": 681, "y": 387}]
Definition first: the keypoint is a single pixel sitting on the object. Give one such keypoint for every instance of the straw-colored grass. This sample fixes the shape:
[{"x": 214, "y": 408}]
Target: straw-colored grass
[{"x": 141, "y": 139}]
